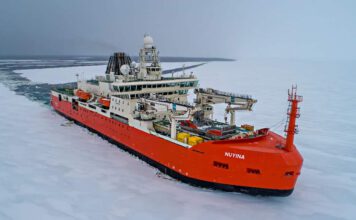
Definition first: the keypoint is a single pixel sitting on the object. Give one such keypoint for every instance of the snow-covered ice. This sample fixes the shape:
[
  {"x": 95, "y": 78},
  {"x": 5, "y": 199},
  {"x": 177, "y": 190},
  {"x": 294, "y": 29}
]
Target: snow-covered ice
[
  {"x": 52, "y": 169},
  {"x": 62, "y": 74}
]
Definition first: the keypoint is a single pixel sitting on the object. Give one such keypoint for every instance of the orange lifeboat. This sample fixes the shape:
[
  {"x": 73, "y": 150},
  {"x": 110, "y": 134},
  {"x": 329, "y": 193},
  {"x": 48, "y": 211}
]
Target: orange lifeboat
[
  {"x": 104, "y": 102},
  {"x": 83, "y": 95}
]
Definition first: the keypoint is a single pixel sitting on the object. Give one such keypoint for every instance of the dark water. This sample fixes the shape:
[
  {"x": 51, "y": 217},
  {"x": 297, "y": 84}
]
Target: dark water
[{"x": 40, "y": 91}]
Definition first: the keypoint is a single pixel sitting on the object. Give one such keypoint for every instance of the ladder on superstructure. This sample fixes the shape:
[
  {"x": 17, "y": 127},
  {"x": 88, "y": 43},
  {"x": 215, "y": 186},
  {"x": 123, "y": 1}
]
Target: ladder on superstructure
[{"x": 293, "y": 113}]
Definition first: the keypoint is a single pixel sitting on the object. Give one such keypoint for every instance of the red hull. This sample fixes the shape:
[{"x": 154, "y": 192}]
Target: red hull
[{"x": 257, "y": 167}]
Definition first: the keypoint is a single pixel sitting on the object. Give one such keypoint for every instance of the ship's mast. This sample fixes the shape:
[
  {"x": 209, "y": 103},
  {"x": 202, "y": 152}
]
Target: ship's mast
[
  {"x": 293, "y": 113},
  {"x": 150, "y": 68}
]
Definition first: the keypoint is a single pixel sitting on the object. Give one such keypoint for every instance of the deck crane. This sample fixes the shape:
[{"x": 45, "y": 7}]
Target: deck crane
[{"x": 205, "y": 98}]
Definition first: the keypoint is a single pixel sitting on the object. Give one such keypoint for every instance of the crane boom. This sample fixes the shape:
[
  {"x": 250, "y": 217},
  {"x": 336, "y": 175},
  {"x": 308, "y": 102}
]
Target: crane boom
[
  {"x": 235, "y": 102},
  {"x": 212, "y": 96}
]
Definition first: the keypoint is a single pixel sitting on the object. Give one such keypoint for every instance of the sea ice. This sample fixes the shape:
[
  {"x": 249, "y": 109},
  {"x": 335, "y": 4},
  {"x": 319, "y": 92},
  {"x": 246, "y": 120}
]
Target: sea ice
[{"x": 52, "y": 169}]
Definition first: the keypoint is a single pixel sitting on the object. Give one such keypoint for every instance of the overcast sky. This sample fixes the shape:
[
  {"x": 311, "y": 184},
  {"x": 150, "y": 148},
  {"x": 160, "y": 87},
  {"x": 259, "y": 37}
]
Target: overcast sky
[{"x": 302, "y": 29}]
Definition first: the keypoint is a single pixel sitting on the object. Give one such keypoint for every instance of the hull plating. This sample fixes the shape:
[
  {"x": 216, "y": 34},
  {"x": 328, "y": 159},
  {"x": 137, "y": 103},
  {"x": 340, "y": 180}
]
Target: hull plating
[{"x": 229, "y": 166}]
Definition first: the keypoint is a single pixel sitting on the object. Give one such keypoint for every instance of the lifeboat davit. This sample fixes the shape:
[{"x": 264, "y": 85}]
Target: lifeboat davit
[
  {"x": 83, "y": 95},
  {"x": 104, "y": 102}
]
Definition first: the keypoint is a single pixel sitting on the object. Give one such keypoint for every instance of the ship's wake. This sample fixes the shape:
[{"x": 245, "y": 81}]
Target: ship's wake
[{"x": 11, "y": 74}]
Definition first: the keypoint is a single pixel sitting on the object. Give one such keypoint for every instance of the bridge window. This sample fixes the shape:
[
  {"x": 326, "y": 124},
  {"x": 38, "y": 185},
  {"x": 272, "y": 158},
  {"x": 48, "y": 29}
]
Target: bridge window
[
  {"x": 182, "y": 92},
  {"x": 186, "y": 84}
]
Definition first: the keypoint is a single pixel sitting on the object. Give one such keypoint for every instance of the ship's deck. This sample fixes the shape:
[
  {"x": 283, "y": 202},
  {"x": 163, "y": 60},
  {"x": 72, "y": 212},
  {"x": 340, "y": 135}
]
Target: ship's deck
[
  {"x": 66, "y": 91},
  {"x": 207, "y": 129},
  {"x": 202, "y": 129}
]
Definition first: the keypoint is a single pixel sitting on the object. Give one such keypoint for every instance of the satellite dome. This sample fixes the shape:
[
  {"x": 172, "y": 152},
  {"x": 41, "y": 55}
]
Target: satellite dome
[
  {"x": 125, "y": 69},
  {"x": 133, "y": 64},
  {"x": 148, "y": 41}
]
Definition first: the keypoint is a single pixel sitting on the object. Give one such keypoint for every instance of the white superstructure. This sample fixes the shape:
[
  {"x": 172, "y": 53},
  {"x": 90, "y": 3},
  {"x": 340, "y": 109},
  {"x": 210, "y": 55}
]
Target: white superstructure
[{"x": 140, "y": 96}]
